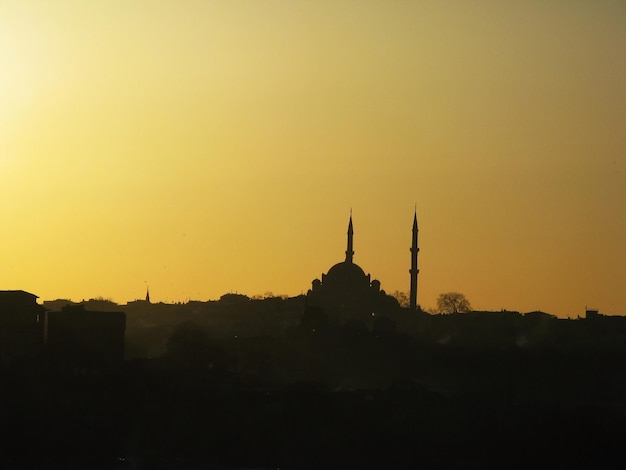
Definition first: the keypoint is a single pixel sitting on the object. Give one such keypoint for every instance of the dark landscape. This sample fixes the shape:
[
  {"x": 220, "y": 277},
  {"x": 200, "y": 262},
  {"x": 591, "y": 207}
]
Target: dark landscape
[
  {"x": 272, "y": 383},
  {"x": 176, "y": 180}
]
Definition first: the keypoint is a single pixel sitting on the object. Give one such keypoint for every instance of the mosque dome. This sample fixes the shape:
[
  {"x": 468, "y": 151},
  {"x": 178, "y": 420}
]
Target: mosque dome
[
  {"x": 345, "y": 272},
  {"x": 345, "y": 291}
]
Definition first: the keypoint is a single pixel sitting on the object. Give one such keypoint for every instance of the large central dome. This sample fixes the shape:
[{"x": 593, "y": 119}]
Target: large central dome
[{"x": 345, "y": 271}]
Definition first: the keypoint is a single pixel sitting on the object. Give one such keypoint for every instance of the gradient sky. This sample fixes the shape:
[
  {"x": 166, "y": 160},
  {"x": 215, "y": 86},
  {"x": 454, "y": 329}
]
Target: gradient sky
[{"x": 205, "y": 147}]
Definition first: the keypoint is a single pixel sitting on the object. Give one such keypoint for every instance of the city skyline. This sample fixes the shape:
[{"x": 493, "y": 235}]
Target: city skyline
[{"x": 209, "y": 147}]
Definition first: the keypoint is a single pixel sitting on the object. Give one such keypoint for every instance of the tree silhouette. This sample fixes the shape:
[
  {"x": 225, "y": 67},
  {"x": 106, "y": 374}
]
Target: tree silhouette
[
  {"x": 453, "y": 302},
  {"x": 402, "y": 298}
]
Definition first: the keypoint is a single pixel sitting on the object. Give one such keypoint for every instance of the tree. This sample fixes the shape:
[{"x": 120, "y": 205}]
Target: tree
[
  {"x": 402, "y": 298},
  {"x": 453, "y": 302}
]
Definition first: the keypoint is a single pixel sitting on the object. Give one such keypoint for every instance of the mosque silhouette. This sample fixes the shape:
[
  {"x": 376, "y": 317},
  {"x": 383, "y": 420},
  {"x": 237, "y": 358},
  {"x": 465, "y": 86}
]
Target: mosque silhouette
[{"x": 346, "y": 293}]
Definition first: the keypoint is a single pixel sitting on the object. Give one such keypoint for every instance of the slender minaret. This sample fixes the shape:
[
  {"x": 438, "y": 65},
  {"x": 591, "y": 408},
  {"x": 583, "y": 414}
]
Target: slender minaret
[
  {"x": 414, "y": 270},
  {"x": 148, "y": 294},
  {"x": 349, "y": 250}
]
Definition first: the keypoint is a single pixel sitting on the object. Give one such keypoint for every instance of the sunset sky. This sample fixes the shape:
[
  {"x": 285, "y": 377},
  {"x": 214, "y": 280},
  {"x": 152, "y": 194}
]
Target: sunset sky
[{"x": 205, "y": 147}]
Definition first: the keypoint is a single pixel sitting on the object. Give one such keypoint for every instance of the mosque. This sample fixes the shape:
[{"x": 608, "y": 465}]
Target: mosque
[{"x": 345, "y": 292}]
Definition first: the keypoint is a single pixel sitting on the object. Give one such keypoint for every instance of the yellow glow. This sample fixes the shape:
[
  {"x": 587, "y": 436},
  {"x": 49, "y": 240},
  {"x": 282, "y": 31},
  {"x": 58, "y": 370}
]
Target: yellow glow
[{"x": 207, "y": 147}]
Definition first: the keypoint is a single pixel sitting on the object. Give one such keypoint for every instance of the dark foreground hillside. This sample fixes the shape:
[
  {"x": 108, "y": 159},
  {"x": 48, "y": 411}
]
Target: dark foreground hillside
[{"x": 311, "y": 402}]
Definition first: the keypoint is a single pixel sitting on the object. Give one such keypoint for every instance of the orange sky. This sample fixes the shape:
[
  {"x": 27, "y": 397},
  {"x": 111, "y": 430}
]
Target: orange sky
[{"x": 208, "y": 147}]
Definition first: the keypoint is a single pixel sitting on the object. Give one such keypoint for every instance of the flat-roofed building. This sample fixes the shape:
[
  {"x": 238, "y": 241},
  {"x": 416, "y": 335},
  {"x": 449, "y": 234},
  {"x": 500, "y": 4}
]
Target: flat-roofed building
[{"x": 22, "y": 326}]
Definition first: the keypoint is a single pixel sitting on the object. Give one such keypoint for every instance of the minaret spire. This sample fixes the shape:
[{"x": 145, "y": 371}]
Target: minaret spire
[
  {"x": 414, "y": 271},
  {"x": 350, "y": 248}
]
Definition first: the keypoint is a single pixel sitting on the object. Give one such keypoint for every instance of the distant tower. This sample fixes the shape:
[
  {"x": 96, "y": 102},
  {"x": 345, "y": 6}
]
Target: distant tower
[
  {"x": 148, "y": 294},
  {"x": 350, "y": 250},
  {"x": 414, "y": 270}
]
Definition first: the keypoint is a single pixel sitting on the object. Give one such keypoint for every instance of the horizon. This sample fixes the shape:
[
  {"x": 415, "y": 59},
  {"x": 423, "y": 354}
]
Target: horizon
[
  {"x": 203, "y": 148},
  {"x": 272, "y": 295}
]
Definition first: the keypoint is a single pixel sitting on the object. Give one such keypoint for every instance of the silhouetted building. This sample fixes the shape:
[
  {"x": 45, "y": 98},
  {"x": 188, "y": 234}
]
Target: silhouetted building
[
  {"x": 234, "y": 298},
  {"x": 347, "y": 293},
  {"x": 86, "y": 338},
  {"x": 22, "y": 326},
  {"x": 57, "y": 304}
]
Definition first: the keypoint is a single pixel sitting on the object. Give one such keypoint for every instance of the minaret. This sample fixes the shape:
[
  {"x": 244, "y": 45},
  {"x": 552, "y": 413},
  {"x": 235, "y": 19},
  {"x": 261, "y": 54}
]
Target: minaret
[
  {"x": 148, "y": 294},
  {"x": 414, "y": 270},
  {"x": 349, "y": 250}
]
